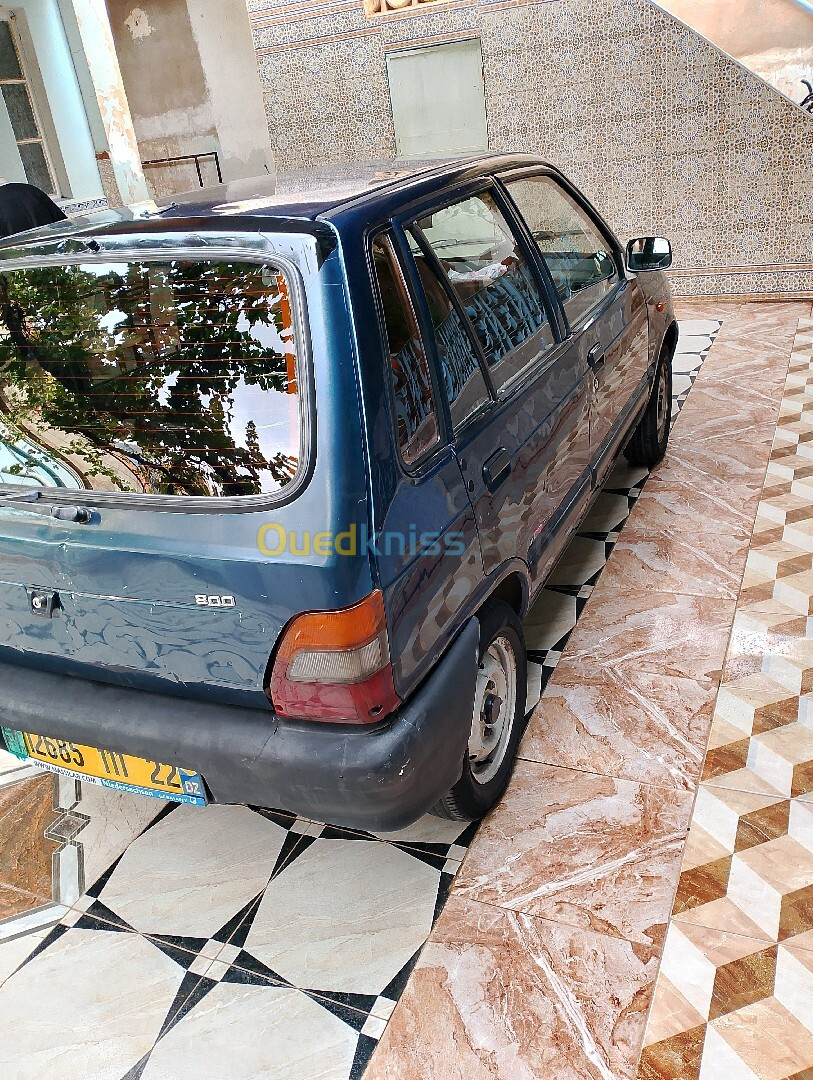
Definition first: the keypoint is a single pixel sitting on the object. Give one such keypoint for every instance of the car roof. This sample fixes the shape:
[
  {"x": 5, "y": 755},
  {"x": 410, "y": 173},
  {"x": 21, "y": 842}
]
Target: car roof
[{"x": 307, "y": 194}]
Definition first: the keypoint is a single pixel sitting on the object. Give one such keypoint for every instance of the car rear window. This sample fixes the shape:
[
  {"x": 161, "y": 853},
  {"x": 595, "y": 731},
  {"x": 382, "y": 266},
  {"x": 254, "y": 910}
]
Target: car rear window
[{"x": 165, "y": 377}]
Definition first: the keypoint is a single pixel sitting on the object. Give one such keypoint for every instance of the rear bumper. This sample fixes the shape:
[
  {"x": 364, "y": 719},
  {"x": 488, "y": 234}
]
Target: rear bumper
[{"x": 381, "y": 777}]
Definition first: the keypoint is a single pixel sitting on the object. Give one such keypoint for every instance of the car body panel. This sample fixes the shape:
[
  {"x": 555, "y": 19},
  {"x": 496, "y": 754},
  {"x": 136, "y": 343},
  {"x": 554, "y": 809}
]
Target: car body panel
[{"x": 130, "y": 578}]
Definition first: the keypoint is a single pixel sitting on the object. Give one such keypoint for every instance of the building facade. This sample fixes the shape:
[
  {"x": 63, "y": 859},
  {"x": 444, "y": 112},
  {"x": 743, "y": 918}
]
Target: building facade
[
  {"x": 663, "y": 131},
  {"x": 126, "y": 100},
  {"x": 122, "y": 102}
]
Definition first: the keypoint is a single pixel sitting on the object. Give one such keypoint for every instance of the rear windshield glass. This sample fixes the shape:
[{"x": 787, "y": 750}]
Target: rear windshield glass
[{"x": 174, "y": 378}]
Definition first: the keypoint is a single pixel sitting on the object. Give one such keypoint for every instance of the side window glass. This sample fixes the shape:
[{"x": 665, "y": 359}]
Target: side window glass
[
  {"x": 462, "y": 378},
  {"x": 415, "y": 416},
  {"x": 578, "y": 256},
  {"x": 496, "y": 287}
]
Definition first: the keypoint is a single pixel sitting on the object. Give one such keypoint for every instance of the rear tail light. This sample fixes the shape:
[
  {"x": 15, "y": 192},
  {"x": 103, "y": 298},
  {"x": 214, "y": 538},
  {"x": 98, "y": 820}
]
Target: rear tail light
[{"x": 334, "y": 666}]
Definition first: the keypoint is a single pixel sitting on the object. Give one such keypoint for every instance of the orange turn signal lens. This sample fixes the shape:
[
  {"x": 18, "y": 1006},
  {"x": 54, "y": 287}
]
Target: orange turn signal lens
[
  {"x": 334, "y": 666},
  {"x": 349, "y": 628}
]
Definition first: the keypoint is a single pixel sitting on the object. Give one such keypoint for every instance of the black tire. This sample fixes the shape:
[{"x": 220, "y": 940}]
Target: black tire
[
  {"x": 648, "y": 443},
  {"x": 485, "y": 778}
]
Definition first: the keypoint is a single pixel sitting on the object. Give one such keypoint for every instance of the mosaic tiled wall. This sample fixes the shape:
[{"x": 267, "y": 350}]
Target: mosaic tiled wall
[{"x": 663, "y": 132}]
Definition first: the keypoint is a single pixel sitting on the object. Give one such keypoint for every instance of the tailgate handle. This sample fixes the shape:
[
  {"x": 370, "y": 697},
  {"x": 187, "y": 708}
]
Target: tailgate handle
[{"x": 497, "y": 469}]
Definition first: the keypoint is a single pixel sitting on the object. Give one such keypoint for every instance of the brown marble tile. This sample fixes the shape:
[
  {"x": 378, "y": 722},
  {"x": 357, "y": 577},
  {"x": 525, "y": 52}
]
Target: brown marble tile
[
  {"x": 25, "y": 855},
  {"x": 703, "y": 563},
  {"x": 634, "y": 725},
  {"x": 713, "y": 469},
  {"x": 702, "y": 884},
  {"x": 663, "y": 633},
  {"x": 751, "y": 431},
  {"x": 796, "y": 913},
  {"x": 748, "y": 403},
  {"x": 742, "y": 982},
  {"x": 498, "y": 994},
  {"x": 723, "y": 916},
  {"x": 672, "y": 508},
  {"x": 15, "y": 902},
  {"x": 722, "y": 760},
  {"x": 675, "y": 1058},
  {"x": 581, "y": 849},
  {"x": 767, "y": 823},
  {"x": 691, "y": 309},
  {"x": 670, "y": 1013}
]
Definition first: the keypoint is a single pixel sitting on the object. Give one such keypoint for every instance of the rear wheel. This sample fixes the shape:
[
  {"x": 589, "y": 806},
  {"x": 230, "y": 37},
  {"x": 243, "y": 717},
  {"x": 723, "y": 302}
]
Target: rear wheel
[
  {"x": 648, "y": 443},
  {"x": 497, "y": 719}
]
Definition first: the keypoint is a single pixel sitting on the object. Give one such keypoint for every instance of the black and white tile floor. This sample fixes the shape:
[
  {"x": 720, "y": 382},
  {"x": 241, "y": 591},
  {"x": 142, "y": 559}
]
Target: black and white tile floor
[{"x": 240, "y": 944}]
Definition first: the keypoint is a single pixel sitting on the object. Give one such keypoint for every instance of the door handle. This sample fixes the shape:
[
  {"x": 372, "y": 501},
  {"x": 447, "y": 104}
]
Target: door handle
[
  {"x": 497, "y": 469},
  {"x": 596, "y": 357}
]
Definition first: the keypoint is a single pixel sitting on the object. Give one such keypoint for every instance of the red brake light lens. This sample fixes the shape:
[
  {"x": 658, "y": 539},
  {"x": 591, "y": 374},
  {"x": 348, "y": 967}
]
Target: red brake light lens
[{"x": 334, "y": 666}]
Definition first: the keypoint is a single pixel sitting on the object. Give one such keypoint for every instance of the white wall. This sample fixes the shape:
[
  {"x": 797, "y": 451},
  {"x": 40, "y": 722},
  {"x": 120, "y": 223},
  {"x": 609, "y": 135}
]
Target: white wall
[
  {"x": 223, "y": 35},
  {"x": 64, "y": 96}
]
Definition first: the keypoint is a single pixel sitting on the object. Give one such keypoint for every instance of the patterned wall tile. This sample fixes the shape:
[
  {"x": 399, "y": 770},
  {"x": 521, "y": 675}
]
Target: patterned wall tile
[{"x": 663, "y": 131}]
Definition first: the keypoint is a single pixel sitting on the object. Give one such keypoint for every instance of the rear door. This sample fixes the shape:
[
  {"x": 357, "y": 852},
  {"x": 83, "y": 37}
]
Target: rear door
[
  {"x": 517, "y": 397},
  {"x": 606, "y": 314},
  {"x": 426, "y": 545}
]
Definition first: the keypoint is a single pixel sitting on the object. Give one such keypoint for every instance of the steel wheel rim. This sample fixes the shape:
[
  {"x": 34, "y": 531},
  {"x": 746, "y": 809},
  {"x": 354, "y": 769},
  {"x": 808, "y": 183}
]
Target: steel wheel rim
[
  {"x": 494, "y": 710},
  {"x": 662, "y": 405}
]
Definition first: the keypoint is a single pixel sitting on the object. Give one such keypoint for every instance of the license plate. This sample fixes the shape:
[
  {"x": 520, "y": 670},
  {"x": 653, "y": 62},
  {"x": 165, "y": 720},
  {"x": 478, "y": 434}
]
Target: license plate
[{"x": 123, "y": 772}]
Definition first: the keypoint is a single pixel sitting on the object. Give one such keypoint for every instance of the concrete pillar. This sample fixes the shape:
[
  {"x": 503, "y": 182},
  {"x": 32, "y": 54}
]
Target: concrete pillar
[
  {"x": 100, "y": 52},
  {"x": 189, "y": 70}
]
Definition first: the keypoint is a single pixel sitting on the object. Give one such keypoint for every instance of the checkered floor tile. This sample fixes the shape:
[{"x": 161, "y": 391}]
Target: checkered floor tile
[
  {"x": 735, "y": 993},
  {"x": 177, "y": 940}
]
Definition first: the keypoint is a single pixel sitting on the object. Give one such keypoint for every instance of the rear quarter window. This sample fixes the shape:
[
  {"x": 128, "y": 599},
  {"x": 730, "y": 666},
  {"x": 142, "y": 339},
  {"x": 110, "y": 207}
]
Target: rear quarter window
[{"x": 176, "y": 377}]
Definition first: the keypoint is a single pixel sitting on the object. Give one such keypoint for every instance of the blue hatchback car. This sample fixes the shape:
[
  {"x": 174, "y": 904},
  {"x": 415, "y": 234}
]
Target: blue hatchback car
[{"x": 281, "y": 472}]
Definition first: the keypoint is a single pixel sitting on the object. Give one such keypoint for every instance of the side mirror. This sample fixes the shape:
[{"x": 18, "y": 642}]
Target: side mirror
[{"x": 648, "y": 253}]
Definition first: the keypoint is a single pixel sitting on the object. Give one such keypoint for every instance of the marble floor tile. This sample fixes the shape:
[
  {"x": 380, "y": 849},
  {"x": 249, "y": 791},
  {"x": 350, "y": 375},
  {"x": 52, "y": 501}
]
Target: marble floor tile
[
  {"x": 218, "y": 1039},
  {"x": 649, "y": 727},
  {"x": 193, "y": 870},
  {"x": 727, "y": 1005},
  {"x": 663, "y": 633},
  {"x": 765, "y": 1037},
  {"x": 114, "y": 820},
  {"x": 112, "y": 990},
  {"x": 581, "y": 849},
  {"x": 500, "y": 994},
  {"x": 705, "y": 563},
  {"x": 361, "y": 943},
  {"x": 753, "y": 401},
  {"x": 15, "y": 902},
  {"x": 16, "y": 950},
  {"x": 713, "y": 469},
  {"x": 672, "y": 507},
  {"x": 26, "y": 812},
  {"x": 582, "y": 560}
]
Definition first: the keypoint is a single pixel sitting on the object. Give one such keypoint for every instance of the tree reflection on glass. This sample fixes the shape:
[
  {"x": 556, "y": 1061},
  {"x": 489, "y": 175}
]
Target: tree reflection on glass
[{"x": 177, "y": 375}]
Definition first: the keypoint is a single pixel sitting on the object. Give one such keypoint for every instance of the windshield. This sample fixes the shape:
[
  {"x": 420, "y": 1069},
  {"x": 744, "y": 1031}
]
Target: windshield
[{"x": 175, "y": 377}]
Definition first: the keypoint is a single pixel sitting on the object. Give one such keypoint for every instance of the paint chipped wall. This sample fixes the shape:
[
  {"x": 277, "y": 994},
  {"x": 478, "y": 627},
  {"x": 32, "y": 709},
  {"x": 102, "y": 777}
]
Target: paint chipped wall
[
  {"x": 191, "y": 79},
  {"x": 166, "y": 87},
  {"x": 645, "y": 115}
]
